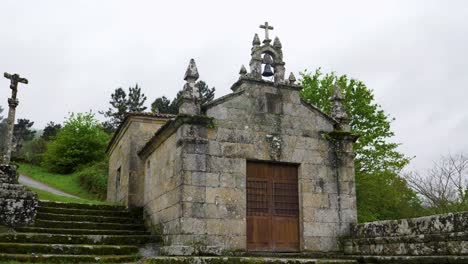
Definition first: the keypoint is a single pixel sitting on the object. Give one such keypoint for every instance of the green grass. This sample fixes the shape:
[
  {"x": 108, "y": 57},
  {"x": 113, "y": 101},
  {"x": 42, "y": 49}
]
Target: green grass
[
  {"x": 68, "y": 183},
  {"x": 43, "y": 195}
]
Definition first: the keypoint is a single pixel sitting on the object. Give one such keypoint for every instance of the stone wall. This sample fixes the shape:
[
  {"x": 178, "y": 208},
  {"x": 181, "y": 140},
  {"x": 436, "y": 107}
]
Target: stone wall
[
  {"x": 271, "y": 123},
  {"x": 17, "y": 204},
  {"x": 444, "y": 234},
  {"x": 196, "y": 174},
  {"x": 123, "y": 159},
  {"x": 162, "y": 195}
]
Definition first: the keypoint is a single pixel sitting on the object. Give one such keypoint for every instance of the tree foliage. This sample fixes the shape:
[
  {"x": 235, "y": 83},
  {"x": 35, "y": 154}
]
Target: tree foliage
[
  {"x": 50, "y": 131},
  {"x": 136, "y": 100},
  {"x": 166, "y": 106},
  {"x": 32, "y": 151},
  {"x": 22, "y": 132},
  {"x": 381, "y": 193},
  {"x": 121, "y": 105},
  {"x": 81, "y": 141}
]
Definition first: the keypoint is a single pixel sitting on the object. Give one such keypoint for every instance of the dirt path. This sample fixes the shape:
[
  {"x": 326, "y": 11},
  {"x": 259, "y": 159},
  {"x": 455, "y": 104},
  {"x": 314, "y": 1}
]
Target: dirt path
[{"x": 41, "y": 186}]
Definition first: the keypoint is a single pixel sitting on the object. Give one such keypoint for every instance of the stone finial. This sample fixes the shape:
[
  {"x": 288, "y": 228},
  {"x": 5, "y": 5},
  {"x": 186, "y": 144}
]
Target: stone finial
[
  {"x": 189, "y": 103},
  {"x": 277, "y": 43},
  {"x": 338, "y": 110},
  {"x": 292, "y": 78},
  {"x": 192, "y": 71},
  {"x": 256, "y": 40},
  {"x": 243, "y": 70}
]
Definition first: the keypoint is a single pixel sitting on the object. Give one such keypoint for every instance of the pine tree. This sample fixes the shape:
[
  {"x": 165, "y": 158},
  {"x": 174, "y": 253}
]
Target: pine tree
[
  {"x": 121, "y": 105},
  {"x": 166, "y": 106},
  {"x": 50, "y": 131},
  {"x": 136, "y": 100},
  {"x": 22, "y": 132}
]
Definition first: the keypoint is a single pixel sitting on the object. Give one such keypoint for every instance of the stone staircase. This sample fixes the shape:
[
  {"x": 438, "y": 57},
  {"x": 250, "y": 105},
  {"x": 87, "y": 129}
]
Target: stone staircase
[{"x": 78, "y": 233}]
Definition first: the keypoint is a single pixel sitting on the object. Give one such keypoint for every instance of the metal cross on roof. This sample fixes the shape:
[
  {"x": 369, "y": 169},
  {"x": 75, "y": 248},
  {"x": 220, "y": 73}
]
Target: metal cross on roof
[{"x": 266, "y": 27}]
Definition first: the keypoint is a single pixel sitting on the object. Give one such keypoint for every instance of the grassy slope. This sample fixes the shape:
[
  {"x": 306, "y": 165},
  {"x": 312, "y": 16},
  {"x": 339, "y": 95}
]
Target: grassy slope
[
  {"x": 43, "y": 195},
  {"x": 67, "y": 183}
]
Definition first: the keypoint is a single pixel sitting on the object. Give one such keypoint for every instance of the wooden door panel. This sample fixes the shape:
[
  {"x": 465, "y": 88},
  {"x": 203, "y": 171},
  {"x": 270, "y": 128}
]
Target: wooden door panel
[
  {"x": 272, "y": 207},
  {"x": 285, "y": 231},
  {"x": 259, "y": 233}
]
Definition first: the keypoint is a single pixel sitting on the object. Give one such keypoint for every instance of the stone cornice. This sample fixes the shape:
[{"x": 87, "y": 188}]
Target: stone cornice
[
  {"x": 246, "y": 78},
  {"x": 170, "y": 128}
]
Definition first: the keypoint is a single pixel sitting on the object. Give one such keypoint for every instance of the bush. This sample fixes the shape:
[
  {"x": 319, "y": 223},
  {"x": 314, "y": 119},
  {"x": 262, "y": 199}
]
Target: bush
[
  {"x": 81, "y": 141},
  {"x": 94, "y": 178},
  {"x": 32, "y": 151}
]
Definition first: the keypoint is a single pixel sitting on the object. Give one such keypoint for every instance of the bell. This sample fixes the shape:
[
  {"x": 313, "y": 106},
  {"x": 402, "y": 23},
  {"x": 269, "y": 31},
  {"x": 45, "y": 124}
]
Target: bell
[{"x": 267, "y": 72}]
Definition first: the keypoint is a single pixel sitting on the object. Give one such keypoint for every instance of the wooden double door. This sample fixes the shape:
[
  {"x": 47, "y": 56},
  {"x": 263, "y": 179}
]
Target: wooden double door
[{"x": 272, "y": 207}]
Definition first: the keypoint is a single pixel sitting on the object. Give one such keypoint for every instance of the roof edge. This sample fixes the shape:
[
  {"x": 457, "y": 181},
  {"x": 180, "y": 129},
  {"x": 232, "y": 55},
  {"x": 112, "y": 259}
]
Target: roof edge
[
  {"x": 120, "y": 130},
  {"x": 169, "y": 128}
]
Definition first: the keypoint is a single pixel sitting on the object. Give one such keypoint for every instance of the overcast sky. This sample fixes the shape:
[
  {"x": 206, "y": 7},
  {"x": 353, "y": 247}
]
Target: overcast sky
[{"x": 413, "y": 54}]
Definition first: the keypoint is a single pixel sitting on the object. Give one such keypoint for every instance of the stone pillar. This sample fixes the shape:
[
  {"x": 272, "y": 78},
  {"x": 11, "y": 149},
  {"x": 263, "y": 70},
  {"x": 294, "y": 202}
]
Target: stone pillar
[
  {"x": 12, "y": 103},
  {"x": 190, "y": 101},
  {"x": 190, "y": 237},
  {"x": 256, "y": 60},
  {"x": 343, "y": 140},
  {"x": 345, "y": 179}
]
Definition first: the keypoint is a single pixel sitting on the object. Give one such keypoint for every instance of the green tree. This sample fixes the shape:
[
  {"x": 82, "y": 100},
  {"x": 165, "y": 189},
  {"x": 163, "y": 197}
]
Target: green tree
[
  {"x": 22, "y": 132},
  {"x": 166, "y": 106},
  {"x": 163, "y": 105},
  {"x": 32, "y": 151},
  {"x": 381, "y": 192},
  {"x": 50, "y": 131},
  {"x": 121, "y": 105},
  {"x": 81, "y": 141},
  {"x": 136, "y": 100}
]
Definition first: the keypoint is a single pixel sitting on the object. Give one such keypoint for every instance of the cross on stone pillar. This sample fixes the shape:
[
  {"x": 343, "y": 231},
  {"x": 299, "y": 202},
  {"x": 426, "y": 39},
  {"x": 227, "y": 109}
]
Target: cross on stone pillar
[
  {"x": 12, "y": 103},
  {"x": 266, "y": 27}
]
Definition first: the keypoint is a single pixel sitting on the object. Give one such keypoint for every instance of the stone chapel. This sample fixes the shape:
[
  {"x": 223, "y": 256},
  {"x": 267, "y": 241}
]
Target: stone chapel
[{"x": 256, "y": 170}]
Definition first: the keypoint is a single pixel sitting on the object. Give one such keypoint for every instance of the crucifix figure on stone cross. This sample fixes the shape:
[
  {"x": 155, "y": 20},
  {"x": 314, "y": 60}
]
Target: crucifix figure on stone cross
[
  {"x": 12, "y": 103},
  {"x": 266, "y": 27}
]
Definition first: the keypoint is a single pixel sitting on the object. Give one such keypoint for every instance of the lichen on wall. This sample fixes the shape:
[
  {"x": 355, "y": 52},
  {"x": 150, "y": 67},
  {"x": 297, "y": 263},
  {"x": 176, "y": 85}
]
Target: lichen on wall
[
  {"x": 444, "y": 234},
  {"x": 17, "y": 204}
]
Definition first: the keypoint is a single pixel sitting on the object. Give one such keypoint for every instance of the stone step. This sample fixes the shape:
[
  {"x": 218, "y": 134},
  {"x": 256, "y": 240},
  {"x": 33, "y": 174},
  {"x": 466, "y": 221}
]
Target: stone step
[
  {"x": 87, "y": 218},
  {"x": 33, "y": 258},
  {"x": 87, "y": 225},
  {"x": 15, "y": 194},
  {"x": 245, "y": 260},
  {"x": 11, "y": 186},
  {"x": 82, "y": 206},
  {"x": 6, "y": 180},
  {"x": 71, "y": 231},
  {"x": 78, "y": 239},
  {"x": 411, "y": 259},
  {"x": 110, "y": 213},
  {"x": 67, "y": 249}
]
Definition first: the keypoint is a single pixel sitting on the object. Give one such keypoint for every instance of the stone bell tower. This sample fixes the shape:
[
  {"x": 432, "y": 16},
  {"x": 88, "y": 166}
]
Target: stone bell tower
[{"x": 270, "y": 55}]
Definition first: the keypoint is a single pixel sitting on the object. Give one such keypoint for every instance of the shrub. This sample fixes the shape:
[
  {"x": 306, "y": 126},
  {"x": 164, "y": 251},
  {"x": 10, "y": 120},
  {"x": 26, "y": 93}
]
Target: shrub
[
  {"x": 94, "y": 178},
  {"x": 32, "y": 151},
  {"x": 81, "y": 141}
]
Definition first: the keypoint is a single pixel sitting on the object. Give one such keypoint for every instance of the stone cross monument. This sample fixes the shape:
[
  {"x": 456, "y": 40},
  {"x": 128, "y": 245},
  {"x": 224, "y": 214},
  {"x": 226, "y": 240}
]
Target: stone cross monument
[{"x": 12, "y": 103}]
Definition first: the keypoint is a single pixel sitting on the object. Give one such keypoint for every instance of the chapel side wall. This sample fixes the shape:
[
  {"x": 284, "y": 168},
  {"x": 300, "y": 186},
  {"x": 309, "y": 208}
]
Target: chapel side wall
[
  {"x": 124, "y": 156},
  {"x": 162, "y": 206},
  {"x": 141, "y": 132},
  {"x": 119, "y": 158},
  {"x": 271, "y": 124}
]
